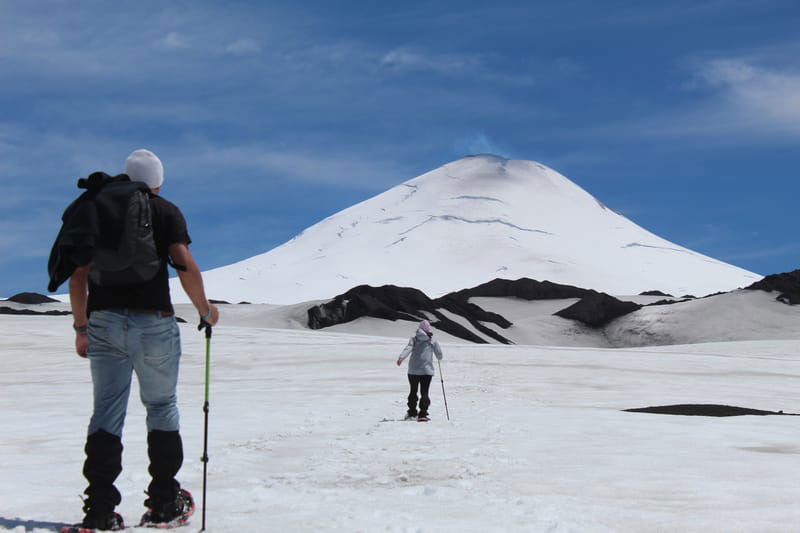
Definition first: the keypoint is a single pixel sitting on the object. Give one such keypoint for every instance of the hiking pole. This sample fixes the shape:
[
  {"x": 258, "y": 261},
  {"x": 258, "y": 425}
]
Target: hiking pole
[
  {"x": 207, "y": 326},
  {"x": 446, "y": 410}
]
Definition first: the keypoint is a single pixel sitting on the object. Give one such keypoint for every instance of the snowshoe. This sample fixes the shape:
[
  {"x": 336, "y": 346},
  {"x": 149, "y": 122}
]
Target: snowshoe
[
  {"x": 423, "y": 418},
  {"x": 93, "y": 524},
  {"x": 410, "y": 415},
  {"x": 172, "y": 515}
]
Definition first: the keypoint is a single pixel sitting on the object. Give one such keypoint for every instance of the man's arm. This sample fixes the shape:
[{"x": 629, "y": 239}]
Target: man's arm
[
  {"x": 78, "y": 294},
  {"x": 192, "y": 282}
]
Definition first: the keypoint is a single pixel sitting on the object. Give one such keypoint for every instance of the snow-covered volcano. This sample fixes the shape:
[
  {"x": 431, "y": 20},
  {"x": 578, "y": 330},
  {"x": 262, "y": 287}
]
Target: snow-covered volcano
[{"x": 465, "y": 223}]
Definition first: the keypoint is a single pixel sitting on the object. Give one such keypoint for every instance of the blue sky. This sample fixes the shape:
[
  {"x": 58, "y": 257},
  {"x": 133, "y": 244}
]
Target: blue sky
[{"x": 269, "y": 116}]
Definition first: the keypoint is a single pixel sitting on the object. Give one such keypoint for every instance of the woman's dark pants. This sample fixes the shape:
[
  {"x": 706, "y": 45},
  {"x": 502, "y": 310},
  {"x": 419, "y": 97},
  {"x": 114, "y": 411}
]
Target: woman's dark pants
[{"x": 419, "y": 382}]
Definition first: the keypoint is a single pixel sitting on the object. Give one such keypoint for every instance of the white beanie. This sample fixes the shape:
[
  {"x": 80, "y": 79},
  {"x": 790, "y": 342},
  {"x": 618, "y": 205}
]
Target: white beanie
[{"x": 143, "y": 165}]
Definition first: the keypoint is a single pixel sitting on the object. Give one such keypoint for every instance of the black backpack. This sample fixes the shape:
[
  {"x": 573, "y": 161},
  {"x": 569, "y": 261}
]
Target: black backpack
[
  {"x": 110, "y": 226},
  {"x": 125, "y": 250}
]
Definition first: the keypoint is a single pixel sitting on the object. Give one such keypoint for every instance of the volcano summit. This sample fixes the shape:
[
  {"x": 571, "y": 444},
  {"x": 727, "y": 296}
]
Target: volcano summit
[{"x": 470, "y": 221}]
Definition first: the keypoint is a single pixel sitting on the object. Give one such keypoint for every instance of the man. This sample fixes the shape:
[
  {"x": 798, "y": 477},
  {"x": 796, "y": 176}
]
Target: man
[
  {"x": 131, "y": 328},
  {"x": 421, "y": 347}
]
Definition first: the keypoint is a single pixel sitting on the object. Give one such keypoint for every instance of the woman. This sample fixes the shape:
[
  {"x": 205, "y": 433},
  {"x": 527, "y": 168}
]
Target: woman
[{"x": 421, "y": 347}]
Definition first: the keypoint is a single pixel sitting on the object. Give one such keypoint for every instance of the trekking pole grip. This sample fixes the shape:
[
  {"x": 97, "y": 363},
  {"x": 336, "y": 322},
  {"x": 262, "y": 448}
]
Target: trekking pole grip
[{"x": 206, "y": 325}]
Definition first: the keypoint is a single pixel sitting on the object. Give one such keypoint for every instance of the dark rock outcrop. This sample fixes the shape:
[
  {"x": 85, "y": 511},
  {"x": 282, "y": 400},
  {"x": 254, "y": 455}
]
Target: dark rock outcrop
[
  {"x": 31, "y": 298},
  {"x": 10, "y": 311},
  {"x": 402, "y": 303},
  {"x": 655, "y": 293},
  {"x": 667, "y": 302},
  {"x": 705, "y": 410},
  {"x": 718, "y": 293},
  {"x": 597, "y": 309},
  {"x": 525, "y": 288},
  {"x": 390, "y": 302},
  {"x": 787, "y": 284},
  {"x": 475, "y": 315}
]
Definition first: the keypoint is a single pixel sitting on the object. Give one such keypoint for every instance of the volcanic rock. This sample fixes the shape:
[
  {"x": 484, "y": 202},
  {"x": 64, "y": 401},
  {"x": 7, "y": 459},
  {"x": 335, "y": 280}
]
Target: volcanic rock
[
  {"x": 655, "y": 293},
  {"x": 705, "y": 410},
  {"x": 390, "y": 302},
  {"x": 10, "y": 311},
  {"x": 787, "y": 284},
  {"x": 525, "y": 288},
  {"x": 598, "y": 309},
  {"x": 31, "y": 298}
]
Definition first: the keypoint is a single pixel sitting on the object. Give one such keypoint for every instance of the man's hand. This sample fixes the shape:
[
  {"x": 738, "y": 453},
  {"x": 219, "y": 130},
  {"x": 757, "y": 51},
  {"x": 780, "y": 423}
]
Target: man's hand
[
  {"x": 399, "y": 362},
  {"x": 212, "y": 321},
  {"x": 82, "y": 344}
]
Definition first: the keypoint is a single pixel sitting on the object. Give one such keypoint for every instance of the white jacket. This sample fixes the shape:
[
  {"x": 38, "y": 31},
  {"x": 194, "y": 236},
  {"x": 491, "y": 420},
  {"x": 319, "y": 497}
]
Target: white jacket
[{"x": 421, "y": 348}]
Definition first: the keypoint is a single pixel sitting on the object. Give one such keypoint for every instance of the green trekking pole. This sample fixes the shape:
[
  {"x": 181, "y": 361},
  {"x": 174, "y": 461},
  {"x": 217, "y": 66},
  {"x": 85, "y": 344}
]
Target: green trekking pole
[
  {"x": 441, "y": 377},
  {"x": 207, "y": 326}
]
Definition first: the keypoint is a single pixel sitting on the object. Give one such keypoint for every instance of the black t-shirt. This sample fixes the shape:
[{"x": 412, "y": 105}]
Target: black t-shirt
[{"x": 169, "y": 227}]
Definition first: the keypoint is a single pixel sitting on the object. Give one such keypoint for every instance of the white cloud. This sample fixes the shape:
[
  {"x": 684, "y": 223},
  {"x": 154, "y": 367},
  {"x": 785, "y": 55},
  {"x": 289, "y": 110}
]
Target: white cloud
[
  {"x": 726, "y": 100},
  {"x": 174, "y": 40},
  {"x": 480, "y": 143},
  {"x": 766, "y": 97},
  {"x": 347, "y": 170},
  {"x": 443, "y": 64},
  {"x": 485, "y": 67},
  {"x": 244, "y": 47},
  {"x": 172, "y": 112}
]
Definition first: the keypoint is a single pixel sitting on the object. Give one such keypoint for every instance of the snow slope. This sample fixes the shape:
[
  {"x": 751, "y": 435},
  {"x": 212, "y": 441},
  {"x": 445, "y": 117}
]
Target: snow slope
[
  {"x": 468, "y": 222},
  {"x": 736, "y": 316},
  {"x": 537, "y": 440}
]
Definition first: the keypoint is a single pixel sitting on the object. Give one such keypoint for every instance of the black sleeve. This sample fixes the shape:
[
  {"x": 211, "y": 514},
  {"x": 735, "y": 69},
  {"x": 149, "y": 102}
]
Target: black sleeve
[
  {"x": 176, "y": 231},
  {"x": 169, "y": 224}
]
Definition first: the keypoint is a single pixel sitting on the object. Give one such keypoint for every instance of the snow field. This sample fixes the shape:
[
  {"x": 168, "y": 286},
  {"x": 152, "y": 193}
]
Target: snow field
[{"x": 303, "y": 435}]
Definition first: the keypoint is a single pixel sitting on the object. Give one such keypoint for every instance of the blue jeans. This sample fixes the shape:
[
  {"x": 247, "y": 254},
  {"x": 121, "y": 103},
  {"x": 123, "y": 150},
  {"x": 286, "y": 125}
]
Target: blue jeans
[{"x": 121, "y": 342}]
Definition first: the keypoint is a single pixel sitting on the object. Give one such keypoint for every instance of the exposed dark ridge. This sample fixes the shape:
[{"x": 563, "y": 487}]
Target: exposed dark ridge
[
  {"x": 525, "y": 288},
  {"x": 10, "y": 311},
  {"x": 719, "y": 293},
  {"x": 668, "y": 302},
  {"x": 31, "y": 298},
  {"x": 787, "y": 284},
  {"x": 597, "y": 309},
  {"x": 706, "y": 410},
  {"x": 475, "y": 314},
  {"x": 390, "y": 302},
  {"x": 457, "y": 330},
  {"x": 655, "y": 293}
]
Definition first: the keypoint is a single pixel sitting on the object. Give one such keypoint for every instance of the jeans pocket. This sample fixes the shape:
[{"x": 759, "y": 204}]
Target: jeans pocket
[
  {"x": 160, "y": 343},
  {"x": 105, "y": 337}
]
